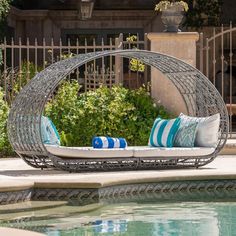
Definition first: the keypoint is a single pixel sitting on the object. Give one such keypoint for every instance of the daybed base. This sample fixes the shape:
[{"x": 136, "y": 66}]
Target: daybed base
[
  {"x": 121, "y": 164},
  {"x": 37, "y": 161},
  {"x": 116, "y": 164},
  {"x": 77, "y": 159}
]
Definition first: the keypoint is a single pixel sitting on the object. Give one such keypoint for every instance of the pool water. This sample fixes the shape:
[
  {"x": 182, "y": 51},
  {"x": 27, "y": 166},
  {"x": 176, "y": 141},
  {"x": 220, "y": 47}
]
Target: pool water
[{"x": 132, "y": 219}]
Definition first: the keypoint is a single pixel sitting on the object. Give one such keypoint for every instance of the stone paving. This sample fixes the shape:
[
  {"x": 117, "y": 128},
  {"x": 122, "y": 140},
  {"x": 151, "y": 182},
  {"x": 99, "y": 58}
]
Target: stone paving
[
  {"x": 15, "y": 174},
  {"x": 17, "y": 232}
]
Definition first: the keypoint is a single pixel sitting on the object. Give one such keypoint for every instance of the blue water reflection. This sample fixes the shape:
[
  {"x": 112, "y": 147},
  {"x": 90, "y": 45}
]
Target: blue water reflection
[{"x": 135, "y": 219}]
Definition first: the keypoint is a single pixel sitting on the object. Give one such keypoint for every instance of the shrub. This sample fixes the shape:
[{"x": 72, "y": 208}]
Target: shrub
[
  {"x": 5, "y": 147},
  {"x": 4, "y": 9},
  {"x": 116, "y": 112}
]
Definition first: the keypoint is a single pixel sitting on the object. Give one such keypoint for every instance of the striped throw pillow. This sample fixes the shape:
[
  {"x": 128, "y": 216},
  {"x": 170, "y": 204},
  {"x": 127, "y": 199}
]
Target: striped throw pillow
[{"x": 163, "y": 132}]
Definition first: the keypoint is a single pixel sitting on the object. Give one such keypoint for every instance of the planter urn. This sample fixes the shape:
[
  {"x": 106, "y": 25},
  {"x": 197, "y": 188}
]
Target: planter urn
[{"x": 172, "y": 17}]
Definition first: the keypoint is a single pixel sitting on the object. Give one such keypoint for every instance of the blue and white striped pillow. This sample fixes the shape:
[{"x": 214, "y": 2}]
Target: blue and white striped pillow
[{"x": 163, "y": 132}]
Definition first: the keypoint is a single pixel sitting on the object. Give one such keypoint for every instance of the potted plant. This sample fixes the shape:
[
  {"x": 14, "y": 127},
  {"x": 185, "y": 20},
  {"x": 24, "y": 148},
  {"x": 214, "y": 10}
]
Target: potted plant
[
  {"x": 134, "y": 78},
  {"x": 172, "y": 14},
  {"x": 134, "y": 64}
]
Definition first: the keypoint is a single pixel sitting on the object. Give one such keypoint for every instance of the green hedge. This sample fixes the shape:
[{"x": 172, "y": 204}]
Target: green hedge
[
  {"x": 5, "y": 147},
  {"x": 116, "y": 112}
]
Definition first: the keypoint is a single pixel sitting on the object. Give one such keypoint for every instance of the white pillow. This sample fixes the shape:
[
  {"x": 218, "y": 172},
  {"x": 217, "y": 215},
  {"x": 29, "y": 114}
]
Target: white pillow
[{"x": 207, "y": 129}]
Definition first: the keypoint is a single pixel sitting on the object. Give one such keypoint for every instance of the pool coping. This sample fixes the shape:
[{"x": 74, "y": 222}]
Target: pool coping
[
  {"x": 18, "y": 232},
  {"x": 165, "y": 190},
  {"x": 56, "y": 185}
]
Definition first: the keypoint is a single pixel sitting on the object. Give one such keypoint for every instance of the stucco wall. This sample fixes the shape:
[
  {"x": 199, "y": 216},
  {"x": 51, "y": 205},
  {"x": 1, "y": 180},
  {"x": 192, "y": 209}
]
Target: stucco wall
[{"x": 180, "y": 45}]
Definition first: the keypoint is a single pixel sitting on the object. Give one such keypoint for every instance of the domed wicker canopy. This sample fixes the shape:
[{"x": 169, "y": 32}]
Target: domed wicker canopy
[{"x": 200, "y": 96}]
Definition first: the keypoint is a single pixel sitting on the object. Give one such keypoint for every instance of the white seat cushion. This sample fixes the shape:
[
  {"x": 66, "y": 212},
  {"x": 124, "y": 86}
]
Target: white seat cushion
[
  {"x": 137, "y": 151},
  {"x": 146, "y": 151},
  {"x": 89, "y": 152}
]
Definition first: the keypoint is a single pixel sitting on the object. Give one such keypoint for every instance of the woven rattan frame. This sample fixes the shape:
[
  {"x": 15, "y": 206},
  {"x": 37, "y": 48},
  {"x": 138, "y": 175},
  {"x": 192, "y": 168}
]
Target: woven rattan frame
[{"x": 200, "y": 96}]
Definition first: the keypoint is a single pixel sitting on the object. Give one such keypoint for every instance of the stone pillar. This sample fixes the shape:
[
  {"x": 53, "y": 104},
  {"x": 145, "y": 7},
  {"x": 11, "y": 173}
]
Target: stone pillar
[{"x": 181, "y": 45}]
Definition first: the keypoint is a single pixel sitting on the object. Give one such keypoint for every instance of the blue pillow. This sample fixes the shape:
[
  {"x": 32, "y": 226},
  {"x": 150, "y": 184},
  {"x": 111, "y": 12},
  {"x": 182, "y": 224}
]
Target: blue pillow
[
  {"x": 185, "y": 136},
  {"x": 163, "y": 132},
  {"x": 108, "y": 142},
  {"x": 49, "y": 132}
]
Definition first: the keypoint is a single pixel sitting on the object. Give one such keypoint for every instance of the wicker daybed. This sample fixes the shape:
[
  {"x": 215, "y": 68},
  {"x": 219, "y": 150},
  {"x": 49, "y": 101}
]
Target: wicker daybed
[{"x": 24, "y": 122}]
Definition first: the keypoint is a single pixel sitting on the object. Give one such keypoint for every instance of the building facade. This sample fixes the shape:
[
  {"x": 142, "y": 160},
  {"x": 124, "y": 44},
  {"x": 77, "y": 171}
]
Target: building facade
[{"x": 60, "y": 19}]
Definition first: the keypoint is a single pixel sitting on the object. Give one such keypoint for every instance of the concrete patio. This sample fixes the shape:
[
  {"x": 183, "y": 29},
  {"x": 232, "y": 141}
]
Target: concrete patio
[{"x": 16, "y": 175}]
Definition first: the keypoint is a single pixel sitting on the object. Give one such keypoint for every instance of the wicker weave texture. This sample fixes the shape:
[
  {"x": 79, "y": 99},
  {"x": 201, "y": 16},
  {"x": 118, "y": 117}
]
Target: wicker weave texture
[{"x": 199, "y": 94}]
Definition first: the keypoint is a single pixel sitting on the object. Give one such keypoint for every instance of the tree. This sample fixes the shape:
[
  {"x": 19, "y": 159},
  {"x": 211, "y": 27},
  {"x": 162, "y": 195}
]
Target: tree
[
  {"x": 4, "y": 8},
  {"x": 203, "y": 12}
]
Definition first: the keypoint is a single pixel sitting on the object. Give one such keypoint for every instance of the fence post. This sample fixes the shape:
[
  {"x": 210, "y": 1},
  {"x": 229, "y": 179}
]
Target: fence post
[
  {"x": 119, "y": 61},
  {"x": 1, "y": 62},
  {"x": 146, "y": 68},
  {"x": 201, "y": 41},
  {"x": 5, "y": 67},
  {"x": 231, "y": 79},
  {"x": 207, "y": 57}
]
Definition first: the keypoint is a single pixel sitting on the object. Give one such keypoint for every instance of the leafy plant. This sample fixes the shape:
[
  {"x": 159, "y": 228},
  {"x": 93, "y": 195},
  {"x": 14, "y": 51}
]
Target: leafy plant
[
  {"x": 203, "y": 12},
  {"x": 198, "y": 13},
  {"x": 4, "y": 8},
  {"x": 134, "y": 64},
  {"x": 1, "y": 61},
  {"x": 163, "y": 5},
  {"x": 116, "y": 112},
  {"x": 5, "y": 147}
]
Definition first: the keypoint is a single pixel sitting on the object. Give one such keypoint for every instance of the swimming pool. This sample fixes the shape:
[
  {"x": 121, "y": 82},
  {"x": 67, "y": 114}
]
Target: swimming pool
[
  {"x": 132, "y": 219},
  {"x": 190, "y": 207}
]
